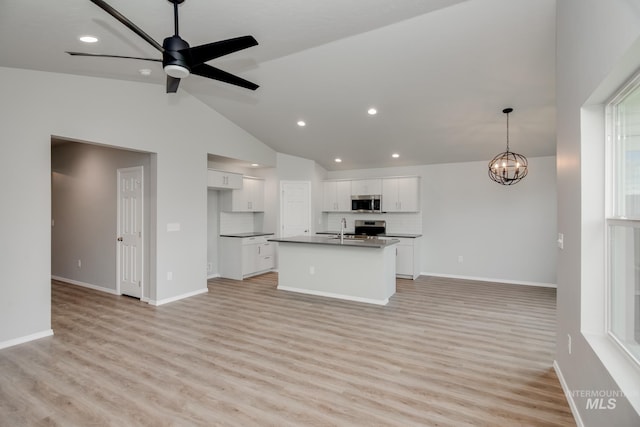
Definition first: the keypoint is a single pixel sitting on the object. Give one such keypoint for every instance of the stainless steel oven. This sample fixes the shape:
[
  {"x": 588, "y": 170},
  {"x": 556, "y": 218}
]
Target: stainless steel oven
[
  {"x": 370, "y": 228},
  {"x": 370, "y": 204}
]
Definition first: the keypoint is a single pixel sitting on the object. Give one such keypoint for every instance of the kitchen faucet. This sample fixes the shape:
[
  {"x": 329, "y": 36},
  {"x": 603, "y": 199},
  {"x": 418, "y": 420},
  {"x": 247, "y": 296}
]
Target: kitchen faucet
[{"x": 343, "y": 225}]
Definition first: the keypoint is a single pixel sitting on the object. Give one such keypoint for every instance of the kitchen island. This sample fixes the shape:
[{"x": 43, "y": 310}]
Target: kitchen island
[{"x": 361, "y": 270}]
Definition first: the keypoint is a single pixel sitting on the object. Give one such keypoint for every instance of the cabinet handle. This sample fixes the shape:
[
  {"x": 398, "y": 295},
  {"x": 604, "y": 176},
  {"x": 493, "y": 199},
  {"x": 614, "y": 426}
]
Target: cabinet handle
[{"x": 260, "y": 248}]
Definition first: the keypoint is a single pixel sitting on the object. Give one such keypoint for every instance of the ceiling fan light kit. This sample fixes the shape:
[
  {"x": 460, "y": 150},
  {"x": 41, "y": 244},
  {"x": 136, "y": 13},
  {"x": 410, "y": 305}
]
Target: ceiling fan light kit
[
  {"x": 508, "y": 168},
  {"x": 176, "y": 71},
  {"x": 178, "y": 59}
]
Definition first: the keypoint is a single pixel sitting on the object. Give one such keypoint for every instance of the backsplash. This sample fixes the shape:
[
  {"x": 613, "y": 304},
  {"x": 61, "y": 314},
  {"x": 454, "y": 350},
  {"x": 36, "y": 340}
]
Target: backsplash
[
  {"x": 236, "y": 222},
  {"x": 404, "y": 223}
]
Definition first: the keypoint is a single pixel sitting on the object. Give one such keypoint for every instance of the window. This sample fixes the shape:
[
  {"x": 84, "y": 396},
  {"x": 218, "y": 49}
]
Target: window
[{"x": 623, "y": 218}]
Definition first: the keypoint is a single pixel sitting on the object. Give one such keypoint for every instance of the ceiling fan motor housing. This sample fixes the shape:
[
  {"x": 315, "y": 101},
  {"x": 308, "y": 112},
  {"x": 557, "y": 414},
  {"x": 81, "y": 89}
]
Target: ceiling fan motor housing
[{"x": 174, "y": 62}]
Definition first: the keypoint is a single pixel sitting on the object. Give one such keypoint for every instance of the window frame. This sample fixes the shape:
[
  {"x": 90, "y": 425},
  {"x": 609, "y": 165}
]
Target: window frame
[{"x": 615, "y": 207}]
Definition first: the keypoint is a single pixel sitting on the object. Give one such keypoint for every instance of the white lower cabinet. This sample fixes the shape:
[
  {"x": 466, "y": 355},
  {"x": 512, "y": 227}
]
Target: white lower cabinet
[
  {"x": 242, "y": 257},
  {"x": 407, "y": 257}
]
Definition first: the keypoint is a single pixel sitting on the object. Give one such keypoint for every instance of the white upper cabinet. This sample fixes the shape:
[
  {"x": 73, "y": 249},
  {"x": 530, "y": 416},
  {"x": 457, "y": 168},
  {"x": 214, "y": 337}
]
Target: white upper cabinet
[
  {"x": 223, "y": 180},
  {"x": 250, "y": 198},
  {"x": 336, "y": 196},
  {"x": 366, "y": 187},
  {"x": 401, "y": 194}
]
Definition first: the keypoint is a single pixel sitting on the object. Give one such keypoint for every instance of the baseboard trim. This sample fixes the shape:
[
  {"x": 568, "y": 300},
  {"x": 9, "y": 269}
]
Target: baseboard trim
[
  {"x": 489, "y": 279},
  {"x": 26, "y": 338},
  {"x": 179, "y": 297},
  {"x": 336, "y": 296},
  {"x": 567, "y": 393},
  {"x": 85, "y": 285},
  {"x": 213, "y": 276}
]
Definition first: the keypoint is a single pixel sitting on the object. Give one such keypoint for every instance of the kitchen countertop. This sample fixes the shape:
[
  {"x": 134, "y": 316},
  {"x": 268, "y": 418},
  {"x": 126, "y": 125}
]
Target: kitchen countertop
[
  {"x": 321, "y": 240},
  {"x": 249, "y": 234},
  {"x": 406, "y": 236}
]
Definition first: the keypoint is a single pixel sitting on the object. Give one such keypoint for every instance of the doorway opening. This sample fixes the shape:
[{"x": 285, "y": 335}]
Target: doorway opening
[{"x": 86, "y": 214}]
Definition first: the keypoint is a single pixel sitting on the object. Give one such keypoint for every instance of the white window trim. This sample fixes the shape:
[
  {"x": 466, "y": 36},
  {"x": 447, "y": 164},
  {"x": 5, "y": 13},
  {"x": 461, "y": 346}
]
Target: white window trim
[
  {"x": 594, "y": 295},
  {"x": 624, "y": 347}
]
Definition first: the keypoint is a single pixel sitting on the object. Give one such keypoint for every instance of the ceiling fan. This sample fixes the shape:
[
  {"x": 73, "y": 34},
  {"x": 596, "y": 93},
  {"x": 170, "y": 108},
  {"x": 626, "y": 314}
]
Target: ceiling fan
[{"x": 178, "y": 59}]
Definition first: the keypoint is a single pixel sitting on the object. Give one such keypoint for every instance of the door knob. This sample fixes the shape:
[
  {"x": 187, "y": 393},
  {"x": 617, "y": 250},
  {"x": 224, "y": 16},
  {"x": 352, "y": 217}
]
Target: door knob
[{"x": 119, "y": 239}]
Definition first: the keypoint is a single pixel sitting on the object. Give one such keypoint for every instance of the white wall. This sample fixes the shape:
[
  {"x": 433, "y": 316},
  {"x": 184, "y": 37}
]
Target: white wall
[
  {"x": 180, "y": 129},
  {"x": 594, "y": 41},
  {"x": 292, "y": 168},
  {"x": 503, "y": 233},
  {"x": 213, "y": 224}
]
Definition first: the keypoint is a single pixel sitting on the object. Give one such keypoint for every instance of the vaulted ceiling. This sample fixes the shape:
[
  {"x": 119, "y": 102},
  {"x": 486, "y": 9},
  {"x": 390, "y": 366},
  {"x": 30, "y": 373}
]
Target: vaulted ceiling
[{"x": 439, "y": 72}]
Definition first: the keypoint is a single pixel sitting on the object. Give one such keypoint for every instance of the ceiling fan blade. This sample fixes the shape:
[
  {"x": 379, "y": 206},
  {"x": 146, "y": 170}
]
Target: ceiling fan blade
[
  {"x": 172, "y": 84},
  {"x": 120, "y": 17},
  {"x": 207, "y": 52},
  {"x": 205, "y": 70},
  {"x": 111, "y": 56}
]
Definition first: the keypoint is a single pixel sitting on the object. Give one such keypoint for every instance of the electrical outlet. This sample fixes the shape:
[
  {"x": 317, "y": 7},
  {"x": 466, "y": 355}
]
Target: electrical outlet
[
  {"x": 569, "y": 343},
  {"x": 460, "y": 259},
  {"x": 560, "y": 240},
  {"x": 209, "y": 267}
]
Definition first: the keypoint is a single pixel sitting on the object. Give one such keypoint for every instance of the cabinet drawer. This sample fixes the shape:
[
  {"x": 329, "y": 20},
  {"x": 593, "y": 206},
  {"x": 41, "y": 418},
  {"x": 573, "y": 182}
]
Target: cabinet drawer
[
  {"x": 256, "y": 240},
  {"x": 265, "y": 263}
]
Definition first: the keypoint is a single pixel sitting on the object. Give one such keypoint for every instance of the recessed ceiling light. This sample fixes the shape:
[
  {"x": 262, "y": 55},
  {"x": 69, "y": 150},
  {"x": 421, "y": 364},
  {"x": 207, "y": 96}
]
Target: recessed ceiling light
[
  {"x": 145, "y": 71},
  {"x": 88, "y": 39},
  {"x": 301, "y": 123},
  {"x": 338, "y": 160},
  {"x": 255, "y": 165},
  {"x": 372, "y": 111},
  {"x": 395, "y": 155}
]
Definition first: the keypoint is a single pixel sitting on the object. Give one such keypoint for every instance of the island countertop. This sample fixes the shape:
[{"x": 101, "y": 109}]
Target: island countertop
[
  {"x": 402, "y": 235},
  {"x": 335, "y": 241},
  {"x": 249, "y": 234}
]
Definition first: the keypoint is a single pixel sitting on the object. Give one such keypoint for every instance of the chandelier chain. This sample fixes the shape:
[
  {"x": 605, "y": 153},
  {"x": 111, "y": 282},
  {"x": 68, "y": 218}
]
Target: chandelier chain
[{"x": 507, "y": 132}]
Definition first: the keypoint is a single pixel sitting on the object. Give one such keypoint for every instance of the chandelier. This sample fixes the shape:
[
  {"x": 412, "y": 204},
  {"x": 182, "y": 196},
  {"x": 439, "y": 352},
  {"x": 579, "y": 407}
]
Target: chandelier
[{"x": 508, "y": 168}]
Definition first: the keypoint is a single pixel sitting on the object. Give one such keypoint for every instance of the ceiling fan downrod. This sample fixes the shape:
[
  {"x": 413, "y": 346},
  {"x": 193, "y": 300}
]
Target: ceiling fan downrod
[{"x": 175, "y": 14}]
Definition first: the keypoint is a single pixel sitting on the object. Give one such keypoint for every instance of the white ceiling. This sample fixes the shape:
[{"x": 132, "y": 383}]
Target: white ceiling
[{"x": 438, "y": 71}]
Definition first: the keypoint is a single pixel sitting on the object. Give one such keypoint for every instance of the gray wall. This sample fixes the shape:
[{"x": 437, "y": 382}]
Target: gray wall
[
  {"x": 594, "y": 41},
  {"x": 138, "y": 116},
  {"x": 84, "y": 212},
  {"x": 505, "y": 233}
]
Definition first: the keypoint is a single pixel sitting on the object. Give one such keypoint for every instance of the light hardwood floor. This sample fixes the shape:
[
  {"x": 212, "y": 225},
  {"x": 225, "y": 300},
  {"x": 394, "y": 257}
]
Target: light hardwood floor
[{"x": 443, "y": 353}]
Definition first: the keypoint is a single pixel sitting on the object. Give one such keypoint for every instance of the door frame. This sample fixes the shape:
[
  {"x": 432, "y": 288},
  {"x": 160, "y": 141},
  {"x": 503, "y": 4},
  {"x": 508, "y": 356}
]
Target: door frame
[
  {"x": 142, "y": 228},
  {"x": 310, "y": 219}
]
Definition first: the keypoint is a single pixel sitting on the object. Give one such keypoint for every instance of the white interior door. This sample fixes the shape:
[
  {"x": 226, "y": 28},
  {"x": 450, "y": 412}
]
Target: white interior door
[
  {"x": 130, "y": 226},
  {"x": 295, "y": 217}
]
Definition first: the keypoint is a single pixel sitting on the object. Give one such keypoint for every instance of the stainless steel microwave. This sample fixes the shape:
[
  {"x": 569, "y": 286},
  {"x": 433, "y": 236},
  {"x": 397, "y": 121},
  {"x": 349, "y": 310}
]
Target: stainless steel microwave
[{"x": 369, "y": 203}]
